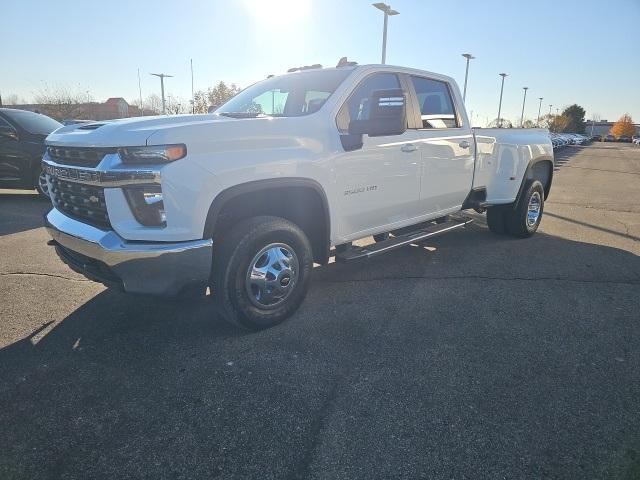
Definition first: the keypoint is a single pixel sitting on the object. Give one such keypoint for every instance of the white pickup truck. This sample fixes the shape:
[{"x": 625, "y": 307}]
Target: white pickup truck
[{"x": 286, "y": 174}]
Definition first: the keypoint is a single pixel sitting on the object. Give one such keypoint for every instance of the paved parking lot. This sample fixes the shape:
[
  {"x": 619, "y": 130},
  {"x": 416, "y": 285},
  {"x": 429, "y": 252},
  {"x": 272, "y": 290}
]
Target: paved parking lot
[{"x": 476, "y": 356}]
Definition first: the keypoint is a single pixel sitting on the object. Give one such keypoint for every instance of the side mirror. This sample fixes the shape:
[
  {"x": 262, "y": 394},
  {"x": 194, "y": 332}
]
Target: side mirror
[
  {"x": 212, "y": 108},
  {"x": 8, "y": 133},
  {"x": 387, "y": 115}
]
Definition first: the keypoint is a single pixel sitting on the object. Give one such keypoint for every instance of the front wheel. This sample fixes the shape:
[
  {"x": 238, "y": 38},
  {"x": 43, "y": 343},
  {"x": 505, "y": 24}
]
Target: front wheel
[{"x": 261, "y": 272}]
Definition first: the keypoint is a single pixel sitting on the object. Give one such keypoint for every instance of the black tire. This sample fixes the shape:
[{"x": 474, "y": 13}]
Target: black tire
[
  {"x": 40, "y": 184},
  {"x": 519, "y": 222},
  {"x": 496, "y": 219},
  {"x": 238, "y": 252}
]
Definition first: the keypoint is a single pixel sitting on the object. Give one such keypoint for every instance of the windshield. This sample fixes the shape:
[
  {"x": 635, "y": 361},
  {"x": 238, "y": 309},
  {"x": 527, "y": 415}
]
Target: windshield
[
  {"x": 35, "y": 123},
  {"x": 291, "y": 95}
]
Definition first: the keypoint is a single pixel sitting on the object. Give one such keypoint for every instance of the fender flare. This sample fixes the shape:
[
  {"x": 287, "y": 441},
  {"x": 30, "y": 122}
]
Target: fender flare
[
  {"x": 528, "y": 175},
  {"x": 257, "y": 185}
]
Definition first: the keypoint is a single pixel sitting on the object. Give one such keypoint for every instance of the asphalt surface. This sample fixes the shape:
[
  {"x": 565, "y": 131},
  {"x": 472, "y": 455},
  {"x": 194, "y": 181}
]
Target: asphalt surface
[{"x": 477, "y": 356}]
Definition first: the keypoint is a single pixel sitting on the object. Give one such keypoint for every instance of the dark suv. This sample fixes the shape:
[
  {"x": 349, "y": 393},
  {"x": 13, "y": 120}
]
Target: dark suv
[{"x": 22, "y": 135}]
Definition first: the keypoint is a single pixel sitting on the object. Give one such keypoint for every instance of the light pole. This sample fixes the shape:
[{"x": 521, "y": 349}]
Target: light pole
[
  {"x": 499, "y": 125},
  {"x": 468, "y": 56},
  {"x": 162, "y": 77},
  {"x": 193, "y": 100},
  {"x": 550, "y": 110},
  {"x": 140, "y": 92},
  {"x": 387, "y": 11},
  {"x": 523, "y": 102},
  {"x": 539, "y": 108}
]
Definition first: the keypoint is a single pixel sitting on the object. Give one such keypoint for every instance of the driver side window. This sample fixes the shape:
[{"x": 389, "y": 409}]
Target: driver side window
[{"x": 357, "y": 106}]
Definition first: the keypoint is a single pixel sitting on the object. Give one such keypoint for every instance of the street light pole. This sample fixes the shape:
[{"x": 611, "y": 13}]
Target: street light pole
[
  {"x": 387, "y": 12},
  {"x": 550, "y": 110},
  {"x": 523, "y": 102},
  {"x": 140, "y": 92},
  {"x": 539, "y": 108},
  {"x": 162, "y": 77},
  {"x": 468, "y": 56},
  {"x": 499, "y": 125},
  {"x": 193, "y": 100}
]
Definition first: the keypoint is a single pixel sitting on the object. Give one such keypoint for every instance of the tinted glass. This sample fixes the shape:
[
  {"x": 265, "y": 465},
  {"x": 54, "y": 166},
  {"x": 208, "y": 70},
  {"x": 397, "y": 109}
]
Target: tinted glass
[
  {"x": 290, "y": 95},
  {"x": 35, "y": 123},
  {"x": 357, "y": 107},
  {"x": 4, "y": 123},
  {"x": 436, "y": 105}
]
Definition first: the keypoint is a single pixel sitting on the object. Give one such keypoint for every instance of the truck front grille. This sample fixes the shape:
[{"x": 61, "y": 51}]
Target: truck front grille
[
  {"x": 83, "y": 202},
  {"x": 78, "y": 156}
]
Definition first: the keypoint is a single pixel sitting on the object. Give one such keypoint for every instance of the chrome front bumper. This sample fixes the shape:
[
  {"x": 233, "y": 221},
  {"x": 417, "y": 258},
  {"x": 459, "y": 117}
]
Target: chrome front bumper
[{"x": 140, "y": 267}]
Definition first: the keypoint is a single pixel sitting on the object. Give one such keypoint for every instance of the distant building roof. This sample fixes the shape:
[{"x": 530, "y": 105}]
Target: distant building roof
[{"x": 115, "y": 100}]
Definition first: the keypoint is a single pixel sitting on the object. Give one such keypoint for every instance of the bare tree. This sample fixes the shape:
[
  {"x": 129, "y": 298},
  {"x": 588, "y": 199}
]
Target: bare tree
[
  {"x": 61, "y": 102},
  {"x": 12, "y": 99},
  {"x": 153, "y": 102},
  {"x": 214, "y": 96}
]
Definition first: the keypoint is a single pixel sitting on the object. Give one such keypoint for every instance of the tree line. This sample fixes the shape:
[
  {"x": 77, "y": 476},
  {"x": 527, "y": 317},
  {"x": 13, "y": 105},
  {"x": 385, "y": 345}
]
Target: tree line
[{"x": 61, "y": 102}]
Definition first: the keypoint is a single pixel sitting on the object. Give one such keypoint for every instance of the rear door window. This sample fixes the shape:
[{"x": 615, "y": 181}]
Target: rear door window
[{"x": 436, "y": 104}]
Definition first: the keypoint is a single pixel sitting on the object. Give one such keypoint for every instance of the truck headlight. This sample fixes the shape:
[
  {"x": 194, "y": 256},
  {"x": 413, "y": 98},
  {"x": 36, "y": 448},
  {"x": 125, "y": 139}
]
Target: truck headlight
[
  {"x": 147, "y": 205},
  {"x": 152, "y": 154}
]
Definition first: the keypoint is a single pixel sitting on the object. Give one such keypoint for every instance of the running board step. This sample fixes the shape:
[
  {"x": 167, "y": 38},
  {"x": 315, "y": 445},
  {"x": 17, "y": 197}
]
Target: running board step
[{"x": 432, "y": 230}]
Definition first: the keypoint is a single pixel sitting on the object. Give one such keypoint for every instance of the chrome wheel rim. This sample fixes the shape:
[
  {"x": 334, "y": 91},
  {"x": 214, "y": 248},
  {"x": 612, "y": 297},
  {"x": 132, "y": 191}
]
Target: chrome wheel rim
[
  {"x": 533, "y": 210},
  {"x": 42, "y": 182},
  {"x": 272, "y": 275}
]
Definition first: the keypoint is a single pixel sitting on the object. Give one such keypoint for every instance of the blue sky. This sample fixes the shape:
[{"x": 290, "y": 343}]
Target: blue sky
[{"x": 584, "y": 52}]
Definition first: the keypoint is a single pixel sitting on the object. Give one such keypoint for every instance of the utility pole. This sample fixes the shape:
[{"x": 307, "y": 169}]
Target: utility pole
[
  {"x": 468, "y": 56},
  {"x": 387, "y": 12},
  {"x": 539, "y": 108},
  {"x": 499, "y": 125},
  {"x": 193, "y": 102},
  {"x": 162, "y": 77},
  {"x": 140, "y": 92},
  {"x": 523, "y": 102},
  {"x": 550, "y": 110}
]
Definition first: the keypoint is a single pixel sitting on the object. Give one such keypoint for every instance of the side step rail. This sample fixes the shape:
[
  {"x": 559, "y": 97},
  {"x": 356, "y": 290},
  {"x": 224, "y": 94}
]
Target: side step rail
[{"x": 433, "y": 230}]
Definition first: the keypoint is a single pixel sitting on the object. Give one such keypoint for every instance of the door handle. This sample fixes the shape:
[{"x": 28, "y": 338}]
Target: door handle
[
  {"x": 463, "y": 144},
  {"x": 408, "y": 147}
]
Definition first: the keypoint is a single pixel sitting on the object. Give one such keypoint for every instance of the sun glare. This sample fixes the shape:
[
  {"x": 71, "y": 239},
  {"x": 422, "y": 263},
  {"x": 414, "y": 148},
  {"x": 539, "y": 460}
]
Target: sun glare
[{"x": 278, "y": 16}]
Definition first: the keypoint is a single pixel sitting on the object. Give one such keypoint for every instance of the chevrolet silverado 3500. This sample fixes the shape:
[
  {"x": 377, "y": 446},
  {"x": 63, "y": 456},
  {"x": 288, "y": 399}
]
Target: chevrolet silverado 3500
[{"x": 286, "y": 174}]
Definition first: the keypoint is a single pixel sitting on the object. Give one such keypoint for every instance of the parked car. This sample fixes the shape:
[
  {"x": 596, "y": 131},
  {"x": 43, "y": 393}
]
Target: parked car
[
  {"x": 636, "y": 141},
  {"x": 245, "y": 200},
  {"x": 624, "y": 138},
  {"x": 22, "y": 135},
  {"x": 609, "y": 138},
  {"x": 577, "y": 139}
]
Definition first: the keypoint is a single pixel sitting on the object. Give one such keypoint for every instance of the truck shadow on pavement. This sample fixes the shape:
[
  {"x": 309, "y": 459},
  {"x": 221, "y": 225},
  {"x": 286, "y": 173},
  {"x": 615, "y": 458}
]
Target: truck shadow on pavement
[
  {"x": 525, "y": 346},
  {"x": 22, "y": 212}
]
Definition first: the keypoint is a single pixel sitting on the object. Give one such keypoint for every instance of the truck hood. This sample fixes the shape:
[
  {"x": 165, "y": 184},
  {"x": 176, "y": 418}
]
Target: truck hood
[{"x": 126, "y": 131}]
